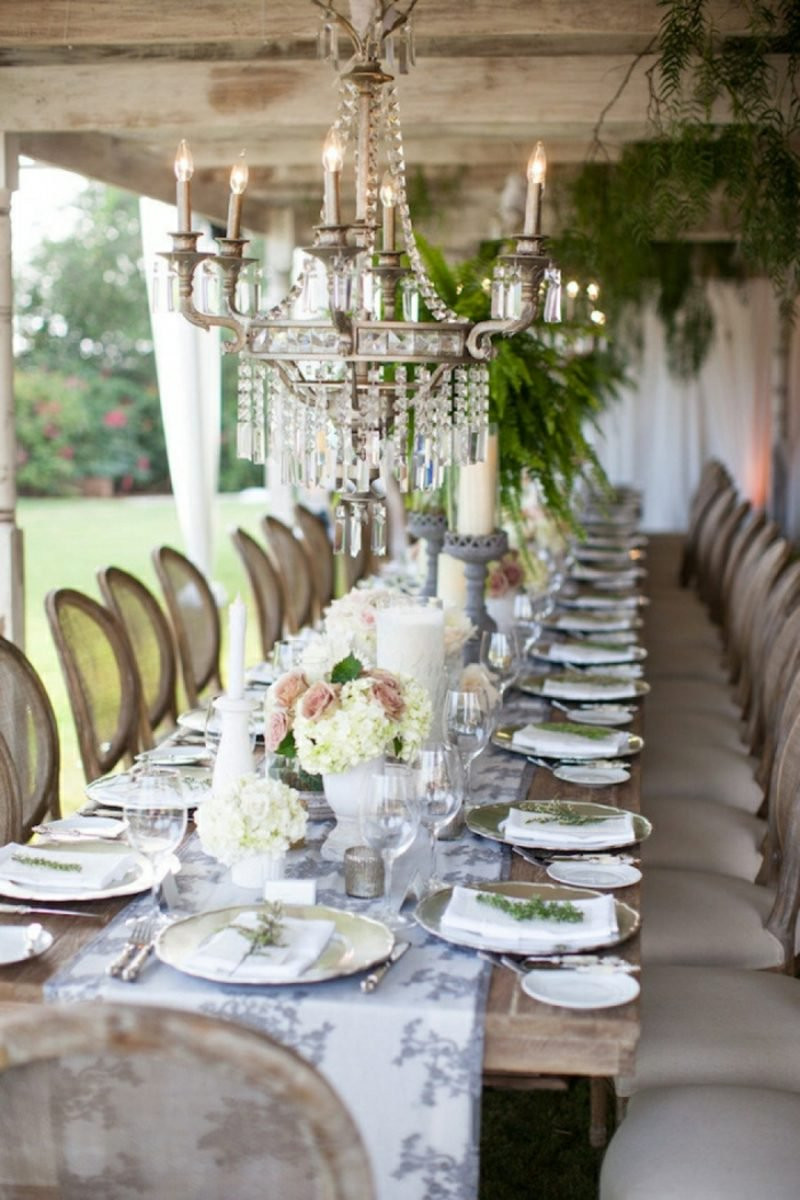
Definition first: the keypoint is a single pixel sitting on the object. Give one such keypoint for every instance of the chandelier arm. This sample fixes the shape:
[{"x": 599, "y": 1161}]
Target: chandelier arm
[
  {"x": 402, "y": 18},
  {"x": 204, "y": 321},
  {"x": 479, "y": 338},
  {"x": 342, "y": 21}
]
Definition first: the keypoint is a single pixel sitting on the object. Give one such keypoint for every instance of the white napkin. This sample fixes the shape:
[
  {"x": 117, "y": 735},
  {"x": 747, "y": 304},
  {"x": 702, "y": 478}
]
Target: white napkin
[
  {"x": 567, "y": 689},
  {"x": 587, "y": 621},
  {"x": 263, "y": 673},
  {"x": 536, "y": 740},
  {"x": 96, "y": 870},
  {"x": 226, "y": 950},
  {"x": 582, "y": 652},
  {"x": 466, "y": 914},
  {"x": 528, "y": 828},
  {"x": 625, "y": 575}
]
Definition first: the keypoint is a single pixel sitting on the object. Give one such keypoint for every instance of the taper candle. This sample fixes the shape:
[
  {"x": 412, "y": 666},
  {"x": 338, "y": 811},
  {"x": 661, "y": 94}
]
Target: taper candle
[
  {"x": 184, "y": 169},
  {"x": 237, "y": 626}
]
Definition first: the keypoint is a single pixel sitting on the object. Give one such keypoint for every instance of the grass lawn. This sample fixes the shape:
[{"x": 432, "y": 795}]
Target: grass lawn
[{"x": 67, "y": 540}]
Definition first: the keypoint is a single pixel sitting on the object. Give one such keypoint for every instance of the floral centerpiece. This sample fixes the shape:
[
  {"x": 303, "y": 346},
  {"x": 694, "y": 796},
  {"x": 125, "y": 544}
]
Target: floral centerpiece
[
  {"x": 350, "y": 620},
  {"x": 255, "y": 818},
  {"x": 340, "y": 726}
]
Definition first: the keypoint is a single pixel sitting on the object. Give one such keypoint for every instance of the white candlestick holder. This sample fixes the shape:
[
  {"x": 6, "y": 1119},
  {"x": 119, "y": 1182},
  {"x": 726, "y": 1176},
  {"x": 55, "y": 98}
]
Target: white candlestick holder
[{"x": 235, "y": 751}]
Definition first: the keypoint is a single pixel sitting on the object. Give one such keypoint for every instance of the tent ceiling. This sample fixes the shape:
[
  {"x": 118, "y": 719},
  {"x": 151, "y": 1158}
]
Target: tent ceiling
[{"x": 108, "y": 88}]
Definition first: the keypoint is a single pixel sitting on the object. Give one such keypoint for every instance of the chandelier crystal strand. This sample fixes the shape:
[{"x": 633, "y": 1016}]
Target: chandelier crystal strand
[{"x": 245, "y": 410}]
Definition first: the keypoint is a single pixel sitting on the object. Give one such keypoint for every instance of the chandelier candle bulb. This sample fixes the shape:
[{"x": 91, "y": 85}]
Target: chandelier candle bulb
[
  {"x": 537, "y": 169},
  {"x": 389, "y": 202},
  {"x": 237, "y": 626},
  {"x": 239, "y": 178},
  {"x": 332, "y": 161},
  {"x": 477, "y": 494},
  {"x": 184, "y": 169}
]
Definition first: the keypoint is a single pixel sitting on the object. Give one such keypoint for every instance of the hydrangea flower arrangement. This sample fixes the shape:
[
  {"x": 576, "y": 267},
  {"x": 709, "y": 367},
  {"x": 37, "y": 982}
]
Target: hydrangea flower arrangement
[
  {"x": 350, "y": 620},
  {"x": 353, "y": 715},
  {"x": 253, "y": 816}
]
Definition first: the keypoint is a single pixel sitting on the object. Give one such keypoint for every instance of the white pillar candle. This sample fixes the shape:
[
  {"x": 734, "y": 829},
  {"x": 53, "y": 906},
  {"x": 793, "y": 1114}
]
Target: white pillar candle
[
  {"x": 451, "y": 583},
  {"x": 410, "y": 641},
  {"x": 477, "y": 494},
  {"x": 237, "y": 626}
]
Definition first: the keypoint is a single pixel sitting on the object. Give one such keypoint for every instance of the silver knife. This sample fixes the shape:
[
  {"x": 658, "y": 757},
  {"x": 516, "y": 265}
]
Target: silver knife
[
  {"x": 371, "y": 981},
  {"x": 57, "y": 912}
]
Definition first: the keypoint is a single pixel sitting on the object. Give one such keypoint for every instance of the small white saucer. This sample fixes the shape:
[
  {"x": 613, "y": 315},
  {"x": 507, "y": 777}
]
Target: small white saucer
[
  {"x": 601, "y": 714},
  {"x": 591, "y": 774},
  {"x": 15, "y": 945},
  {"x": 594, "y": 875},
  {"x": 581, "y": 989}
]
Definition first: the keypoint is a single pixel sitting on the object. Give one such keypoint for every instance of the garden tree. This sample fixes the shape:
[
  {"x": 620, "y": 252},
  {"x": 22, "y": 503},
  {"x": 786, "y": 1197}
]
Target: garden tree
[{"x": 85, "y": 388}]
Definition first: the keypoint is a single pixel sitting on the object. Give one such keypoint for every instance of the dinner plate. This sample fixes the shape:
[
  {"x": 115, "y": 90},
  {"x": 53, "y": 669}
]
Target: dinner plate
[
  {"x": 612, "y": 715},
  {"x": 504, "y": 733},
  {"x": 581, "y": 989},
  {"x": 78, "y": 828},
  {"x": 195, "y": 718},
  {"x": 486, "y": 819},
  {"x": 357, "y": 943},
  {"x": 175, "y": 756},
  {"x": 591, "y": 774},
  {"x": 594, "y": 875},
  {"x": 114, "y": 791},
  {"x": 570, "y": 653},
  {"x": 559, "y": 686},
  {"x": 594, "y": 622},
  {"x": 15, "y": 945},
  {"x": 429, "y": 914},
  {"x": 138, "y": 879},
  {"x": 600, "y": 601}
]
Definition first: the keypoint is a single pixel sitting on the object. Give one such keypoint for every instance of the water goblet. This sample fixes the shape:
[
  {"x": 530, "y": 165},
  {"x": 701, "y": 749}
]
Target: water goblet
[
  {"x": 499, "y": 654},
  {"x": 440, "y": 794},
  {"x": 156, "y": 815},
  {"x": 467, "y": 725},
  {"x": 389, "y": 819}
]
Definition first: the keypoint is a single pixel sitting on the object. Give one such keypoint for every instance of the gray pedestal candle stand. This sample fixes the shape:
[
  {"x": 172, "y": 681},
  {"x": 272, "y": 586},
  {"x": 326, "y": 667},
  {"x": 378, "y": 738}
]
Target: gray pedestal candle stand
[
  {"x": 431, "y": 527},
  {"x": 476, "y": 552}
]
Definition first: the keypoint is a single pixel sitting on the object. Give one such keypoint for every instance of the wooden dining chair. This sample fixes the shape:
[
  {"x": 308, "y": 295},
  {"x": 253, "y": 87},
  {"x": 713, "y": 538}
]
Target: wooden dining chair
[
  {"x": 265, "y": 586},
  {"x": 28, "y": 726},
  {"x": 101, "y": 679},
  {"x": 320, "y": 550},
  {"x": 10, "y": 798},
  {"x": 195, "y": 621},
  {"x": 294, "y": 566},
  {"x": 150, "y": 637},
  {"x": 120, "y": 1100}
]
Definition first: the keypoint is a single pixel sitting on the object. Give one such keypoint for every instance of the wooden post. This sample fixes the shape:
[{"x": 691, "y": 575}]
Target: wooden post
[{"x": 12, "y": 612}]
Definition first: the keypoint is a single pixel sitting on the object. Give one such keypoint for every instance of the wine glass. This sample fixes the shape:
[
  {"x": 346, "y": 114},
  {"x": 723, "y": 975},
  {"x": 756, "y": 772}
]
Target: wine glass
[
  {"x": 440, "y": 794},
  {"x": 156, "y": 814},
  {"x": 389, "y": 818},
  {"x": 467, "y": 725},
  {"x": 499, "y": 654}
]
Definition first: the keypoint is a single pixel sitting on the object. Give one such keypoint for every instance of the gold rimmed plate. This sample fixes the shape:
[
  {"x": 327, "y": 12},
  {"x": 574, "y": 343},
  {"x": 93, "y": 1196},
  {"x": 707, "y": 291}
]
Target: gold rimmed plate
[
  {"x": 487, "y": 819},
  {"x": 430, "y": 911},
  {"x": 561, "y": 687},
  {"x": 631, "y": 744},
  {"x": 138, "y": 878},
  {"x": 357, "y": 943},
  {"x": 587, "y": 653}
]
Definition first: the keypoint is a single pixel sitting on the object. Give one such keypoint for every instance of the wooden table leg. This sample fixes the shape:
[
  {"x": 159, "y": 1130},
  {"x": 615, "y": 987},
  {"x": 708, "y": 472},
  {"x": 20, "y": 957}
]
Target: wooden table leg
[{"x": 598, "y": 1111}]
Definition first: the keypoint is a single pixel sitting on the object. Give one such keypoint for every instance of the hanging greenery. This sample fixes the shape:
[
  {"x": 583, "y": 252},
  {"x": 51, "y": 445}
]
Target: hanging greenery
[
  {"x": 625, "y": 219},
  {"x": 542, "y": 393}
]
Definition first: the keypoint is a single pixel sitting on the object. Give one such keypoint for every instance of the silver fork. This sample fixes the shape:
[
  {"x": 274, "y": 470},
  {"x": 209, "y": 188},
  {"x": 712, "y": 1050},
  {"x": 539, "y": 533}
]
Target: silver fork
[{"x": 138, "y": 939}]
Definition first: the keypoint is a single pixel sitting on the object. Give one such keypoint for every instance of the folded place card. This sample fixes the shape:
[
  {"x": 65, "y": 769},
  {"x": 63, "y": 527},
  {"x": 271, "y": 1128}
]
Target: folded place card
[
  {"x": 545, "y": 830},
  {"x": 468, "y": 913},
  {"x": 230, "y": 951},
  {"x": 291, "y": 891}
]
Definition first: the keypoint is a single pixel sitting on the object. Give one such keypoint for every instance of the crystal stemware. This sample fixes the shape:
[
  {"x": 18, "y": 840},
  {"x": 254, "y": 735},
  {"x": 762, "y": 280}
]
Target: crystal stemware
[
  {"x": 467, "y": 725},
  {"x": 440, "y": 794},
  {"x": 156, "y": 814},
  {"x": 389, "y": 818},
  {"x": 499, "y": 654}
]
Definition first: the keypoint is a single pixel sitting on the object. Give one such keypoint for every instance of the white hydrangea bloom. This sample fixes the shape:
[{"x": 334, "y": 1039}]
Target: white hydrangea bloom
[{"x": 254, "y": 816}]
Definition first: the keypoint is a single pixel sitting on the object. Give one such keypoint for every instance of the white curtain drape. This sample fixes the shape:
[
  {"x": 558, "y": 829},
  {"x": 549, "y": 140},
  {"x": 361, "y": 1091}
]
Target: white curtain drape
[
  {"x": 662, "y": 430},
  {"x": 188, "y": 367}
]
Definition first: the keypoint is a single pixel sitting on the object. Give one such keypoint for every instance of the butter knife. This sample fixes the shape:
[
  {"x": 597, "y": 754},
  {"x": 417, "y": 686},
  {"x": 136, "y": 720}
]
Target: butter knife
[
  {"x": 371, "y": 981},
  {"x": 57, "y": 912}
]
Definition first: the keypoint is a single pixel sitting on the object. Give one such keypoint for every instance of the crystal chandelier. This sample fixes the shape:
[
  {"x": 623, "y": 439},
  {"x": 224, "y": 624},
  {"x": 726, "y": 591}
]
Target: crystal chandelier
[{"x": 341, "y": 382}]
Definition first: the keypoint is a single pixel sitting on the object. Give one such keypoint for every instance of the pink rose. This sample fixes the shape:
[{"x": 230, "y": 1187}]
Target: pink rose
[
  {"x": 318, "y": 699},
  {"x": 513, "y": 573},
  {"x": 277, "y": 728},
  {"x": 389, "y": 694},
  {"x": 287, "y": 689},
  {"x": 498, "y": 584}
]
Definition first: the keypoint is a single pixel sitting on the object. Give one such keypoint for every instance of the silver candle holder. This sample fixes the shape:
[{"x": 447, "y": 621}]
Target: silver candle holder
[{"x": 476, "y": 551}]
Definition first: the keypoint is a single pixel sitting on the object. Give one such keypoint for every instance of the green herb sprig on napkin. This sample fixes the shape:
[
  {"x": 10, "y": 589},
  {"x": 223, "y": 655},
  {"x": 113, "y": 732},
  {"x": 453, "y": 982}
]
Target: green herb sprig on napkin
[
  {"x": 595, "y": 732},
  {"x": 267, "y": 931},
  {"x": 31, "y": 860},
  {"x": 563, "y": 911},
  {"x": 561, "y": 814}
]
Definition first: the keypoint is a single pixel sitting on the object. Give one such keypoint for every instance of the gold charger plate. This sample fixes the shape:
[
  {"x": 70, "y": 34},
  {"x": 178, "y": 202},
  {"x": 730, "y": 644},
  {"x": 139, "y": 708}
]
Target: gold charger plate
[
  {"x": 504, "y": 733},
  {"x": 485, "y": 820},
  {"x": 618, "y": 689},
  {"x": 357, "y": 943},
  {"x": 138, "y": 879},
  {"x": 430, "y": 910}
]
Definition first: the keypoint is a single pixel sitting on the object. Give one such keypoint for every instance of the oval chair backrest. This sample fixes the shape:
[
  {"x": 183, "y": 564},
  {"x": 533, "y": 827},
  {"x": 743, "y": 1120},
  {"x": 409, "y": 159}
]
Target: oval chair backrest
[
  {"x": 150, "y": 637},
  {"x": 295, "y": 569},
  {"x": 10, "y": 799},
  {"x": 102, "y": 683},
  {"x": 266, "y": 588},
  {"x": 320, "y": 550},
  {"x": 28, "y": 725},
  {"x": 195, "y": 620}
]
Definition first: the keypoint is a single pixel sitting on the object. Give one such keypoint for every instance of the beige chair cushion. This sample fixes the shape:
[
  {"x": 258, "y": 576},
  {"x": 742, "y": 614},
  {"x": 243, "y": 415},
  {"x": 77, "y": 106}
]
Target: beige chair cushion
[
  {"x": 677, "y": 728},
  {"x": 703, "y": 837},
  {"x": 706, "y": 920},
  {"x": 716, "y": 1025},
  {"x": 705, "y": 1143},
  {"x": 705, "y": 772},
  {"x": 684, "y": 696}
]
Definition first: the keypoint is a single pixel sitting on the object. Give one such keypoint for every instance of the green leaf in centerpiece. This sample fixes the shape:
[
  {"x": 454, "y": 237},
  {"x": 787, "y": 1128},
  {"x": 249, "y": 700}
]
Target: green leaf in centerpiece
[
  {"x": 528, "y": 910},
  {"x": 595, "y": 732},
  {"x": 559, "y": 813},
  {"x": 287, "y": 747},
  {"x": 347, "y": 669},
  {"x": 32, "y": 860}
]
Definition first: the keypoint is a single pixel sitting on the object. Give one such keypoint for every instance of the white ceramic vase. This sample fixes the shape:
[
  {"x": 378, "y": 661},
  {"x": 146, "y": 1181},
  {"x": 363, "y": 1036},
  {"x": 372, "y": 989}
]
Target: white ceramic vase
[
  {"x": 343, "y": 791},
  {"x": 258, "y": 869}
]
